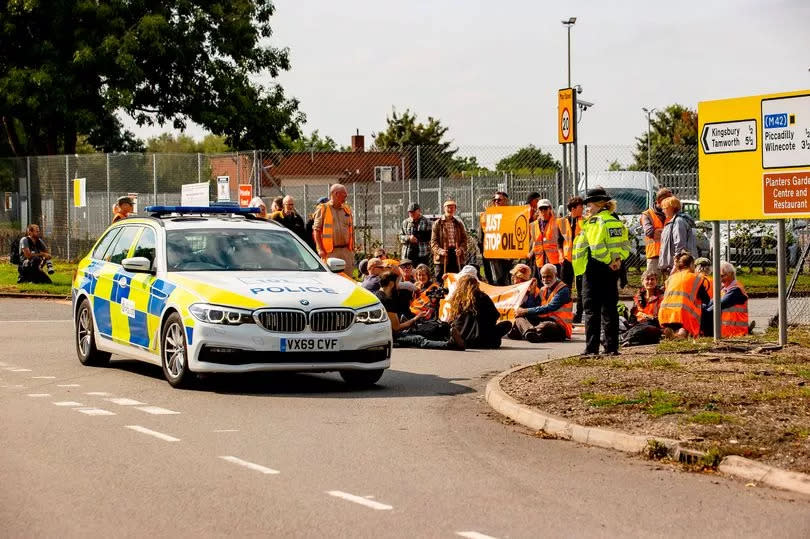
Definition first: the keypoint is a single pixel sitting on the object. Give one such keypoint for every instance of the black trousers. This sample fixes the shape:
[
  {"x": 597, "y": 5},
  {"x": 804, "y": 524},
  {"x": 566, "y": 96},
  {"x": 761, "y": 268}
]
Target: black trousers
[
  {"x": 600, "y": 298},
  {"x": 568, "y": 278},
  {"x": 450, "y": 267}
]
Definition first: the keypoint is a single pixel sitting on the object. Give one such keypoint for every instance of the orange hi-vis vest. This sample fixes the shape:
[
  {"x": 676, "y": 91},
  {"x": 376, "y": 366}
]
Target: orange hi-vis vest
[
  {"x": 651, "y": 245},
  {"x": 328, "y": 227},
  {"x": 546, "y": 244},
  {"x": 564, "y": 316},
  {"x": 681, "y": 304},
  {"x": 650, "y": 309},
  {"x": 734, "y": 320},
  {"x": 569, "y": 236},
  {"x": 422, "y": 301},
  {"x": 709, "y": 286}
]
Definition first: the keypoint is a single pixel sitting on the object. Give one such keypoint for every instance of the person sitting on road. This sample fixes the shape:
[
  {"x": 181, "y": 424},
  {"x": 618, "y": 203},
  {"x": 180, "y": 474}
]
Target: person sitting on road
[
  {"x": 35, "y": 259},
  {"x": 522, "y": 273},
  {"x": 703, "y": 266},
  {"x": 257, "y": 202},
  {"x": 375, "y": 268},
  {"x": 679, "y": 313},
  {"x": 733, "y": 305},
  {"x": 551, "y": 321},
  {"x": 422, "y": 300},
  {"x": 644, "y": 325},
  {"x": 475, "y": 316},
  {"x": 405, "y": 333}
]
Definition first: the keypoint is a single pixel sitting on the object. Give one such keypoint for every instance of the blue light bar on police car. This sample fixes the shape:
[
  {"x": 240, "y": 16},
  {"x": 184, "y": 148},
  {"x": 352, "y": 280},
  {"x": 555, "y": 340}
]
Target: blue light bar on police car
[{"x": 201, "y": 209}]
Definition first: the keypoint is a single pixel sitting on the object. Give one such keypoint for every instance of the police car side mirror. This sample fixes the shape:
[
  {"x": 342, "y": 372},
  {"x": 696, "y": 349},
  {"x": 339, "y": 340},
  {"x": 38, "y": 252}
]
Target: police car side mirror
[
  {"x": 137, "y": 264},
  {"x": 336, "y": 265}
]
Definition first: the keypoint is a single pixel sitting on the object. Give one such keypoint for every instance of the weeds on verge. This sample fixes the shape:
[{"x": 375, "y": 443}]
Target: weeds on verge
[
  {"x": 655, "y": 450},
  {"x": 711, "y": 418},
  {"x": 712, "y": 458},
  {"x": 656, "y": 403}
]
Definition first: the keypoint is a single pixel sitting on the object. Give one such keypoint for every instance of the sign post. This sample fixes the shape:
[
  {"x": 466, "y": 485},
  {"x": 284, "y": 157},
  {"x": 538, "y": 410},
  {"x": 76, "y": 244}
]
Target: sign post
[
  {"x": 754, "y": 163},
  {"x": 567, "y": 133}
]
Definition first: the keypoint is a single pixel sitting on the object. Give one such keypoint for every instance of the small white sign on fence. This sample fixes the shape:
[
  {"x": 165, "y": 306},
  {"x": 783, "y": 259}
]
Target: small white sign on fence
[
  {"x": 194, "y": 194},
  {"x": 223, "y": 188},
  {"x": 80, "y": 192}
]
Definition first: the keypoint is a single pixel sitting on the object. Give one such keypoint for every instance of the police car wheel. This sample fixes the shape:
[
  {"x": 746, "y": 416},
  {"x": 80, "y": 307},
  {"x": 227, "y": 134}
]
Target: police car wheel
[
  {"x": 362, "y": 378},
  {"x": 85, "y": 338},
  {"x": 174, "y": 352}
]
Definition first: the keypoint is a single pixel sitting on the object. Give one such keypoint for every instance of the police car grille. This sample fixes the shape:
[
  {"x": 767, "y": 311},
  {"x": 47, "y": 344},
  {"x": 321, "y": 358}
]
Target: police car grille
[
  {"x": 323, "y": 321},
  {"x": 283, "y": 321}
]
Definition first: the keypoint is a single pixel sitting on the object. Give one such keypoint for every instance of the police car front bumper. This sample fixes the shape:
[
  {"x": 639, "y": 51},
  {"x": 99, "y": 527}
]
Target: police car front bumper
[{"x": 249, "y": 348}]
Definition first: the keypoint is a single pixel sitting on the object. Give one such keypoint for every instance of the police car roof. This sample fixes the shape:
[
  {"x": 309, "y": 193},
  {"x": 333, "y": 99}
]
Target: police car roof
[{"x": 224, "y": 216}]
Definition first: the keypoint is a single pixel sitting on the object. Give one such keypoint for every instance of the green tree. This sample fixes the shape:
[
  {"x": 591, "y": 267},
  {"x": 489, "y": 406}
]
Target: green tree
[
  {"x": 673, "y": 142},
  {"x": 404, "y": 133},
  {"x": 68, "y": 68},
  {"x": 529, "y": 160},
  {"x": 315, "y": 143}
]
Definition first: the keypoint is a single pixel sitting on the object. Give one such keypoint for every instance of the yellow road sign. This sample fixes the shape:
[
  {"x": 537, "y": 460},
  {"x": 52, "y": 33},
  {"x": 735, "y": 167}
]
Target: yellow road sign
[
  {"x": 566, "y": 123},
  {"x": 754, "y": 157}
]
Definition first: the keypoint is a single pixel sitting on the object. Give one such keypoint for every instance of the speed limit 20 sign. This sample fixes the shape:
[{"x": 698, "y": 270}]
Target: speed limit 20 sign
[{"x": 566, "y": 125}]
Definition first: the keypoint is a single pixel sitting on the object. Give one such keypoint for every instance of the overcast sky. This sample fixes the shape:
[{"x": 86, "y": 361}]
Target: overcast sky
[{"x": 490, "y": 71}]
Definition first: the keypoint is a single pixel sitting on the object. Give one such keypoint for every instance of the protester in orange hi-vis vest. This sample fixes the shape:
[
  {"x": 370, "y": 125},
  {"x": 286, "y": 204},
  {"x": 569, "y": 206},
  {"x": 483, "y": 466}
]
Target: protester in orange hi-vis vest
[
  {"x": 734, "y": 305},
  {"x": 570, "y": 227},
  {"x": 685, "y": 295},
  {"x": 652, "y": 221},
  {"x": 422, "y": 300},
  {"x": 703, "y": 266},
  {"x": 551, "y": 320},
  {"x": 546, "y": 241},
  {"x": 644, "y": 325},
  {"x": 122, "y": 209},
  {"x": 333, "y": 228}
]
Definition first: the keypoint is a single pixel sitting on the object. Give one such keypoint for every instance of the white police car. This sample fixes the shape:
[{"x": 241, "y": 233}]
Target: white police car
[{"x": 201, "y": 290}]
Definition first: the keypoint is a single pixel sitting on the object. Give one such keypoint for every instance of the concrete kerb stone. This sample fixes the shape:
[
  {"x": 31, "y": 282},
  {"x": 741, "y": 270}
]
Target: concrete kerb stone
[
  {"x": 32, "y": 295},
  {"x": 733, "y": 465}
]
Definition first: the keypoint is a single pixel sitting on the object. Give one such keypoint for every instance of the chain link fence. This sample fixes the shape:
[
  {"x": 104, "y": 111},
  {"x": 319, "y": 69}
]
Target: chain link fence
[{"x": 381, "y": 185}]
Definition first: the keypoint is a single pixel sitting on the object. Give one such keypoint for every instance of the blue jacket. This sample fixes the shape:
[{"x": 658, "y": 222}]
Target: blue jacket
[{"x": 561, "y": 298}]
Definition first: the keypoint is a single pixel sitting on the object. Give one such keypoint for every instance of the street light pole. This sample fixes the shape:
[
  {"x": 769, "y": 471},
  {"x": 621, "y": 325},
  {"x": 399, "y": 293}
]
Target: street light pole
[
  {"x": 568, "y": 24},
  {"x": 649, "y": 113}
]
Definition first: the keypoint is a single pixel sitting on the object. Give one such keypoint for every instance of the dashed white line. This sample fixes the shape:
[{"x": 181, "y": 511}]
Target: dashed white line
[
  {"x": 68, "y": 403},
  {"x": 19, "y": 370},
  {"x": 474, "y": 535},
  {"x": 43, "y": 377},
  {"x": 156, "y": 410},
  {"x": 226, "y": 430},
  {"x": 95, "y": 411},
  {"x": 98, "y": 393},
  {"x": 67, "y": 385},
  {"x": 123, "y": 401},
  {"x": 250, "y": 465},
  {"x": 39, "y": 395},
  {"x": 359, "y": 500},
  {"x": 160, "y": 435}
]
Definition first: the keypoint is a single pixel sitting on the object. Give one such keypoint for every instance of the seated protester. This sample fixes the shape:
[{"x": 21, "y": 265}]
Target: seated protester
[
  {"x": 257, "y": 202},
  {"x": 406, "y": 267},
  {"x": 522, "y": 273},
  {"x": 372, "y": 281},
  {"x": 644, "y": 325},
  {"x": 733, "y": 305},
  {"x": 679, "y": 313},
  {"x": 35, "y": 259},
  {"x": 403, "y": 332},
  {"x": 703, "y": 266},
  {"x": 362, "y": 268},
  {"x": 422, "y": 300},
  {"x": 551, "y": 320},
  {"x": 474, "y": 315}
]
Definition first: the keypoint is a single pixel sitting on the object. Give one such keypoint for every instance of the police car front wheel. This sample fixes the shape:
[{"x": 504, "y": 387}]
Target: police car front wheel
[
  {"x": 174, "y": 352},
  {"x": 86, "y": 338}
]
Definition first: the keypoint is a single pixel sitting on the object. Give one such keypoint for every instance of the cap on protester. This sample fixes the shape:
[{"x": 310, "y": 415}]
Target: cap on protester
[
  {"x": 405, "y": 262},
  {"x": 414, "y": 207},
  {"x": 124, "y": 200},
  {"x": 256, "y": 202},
  {"x": 450, "y": 202},
  {"x": 532, "y": 196},
  {"x": 703, "y": 261},
  {"x": 468, "y": 270},
  {"x": 544, "y": 203},
  {"x": 597, "y": 194},
  {"x": 523, "y": 270}
]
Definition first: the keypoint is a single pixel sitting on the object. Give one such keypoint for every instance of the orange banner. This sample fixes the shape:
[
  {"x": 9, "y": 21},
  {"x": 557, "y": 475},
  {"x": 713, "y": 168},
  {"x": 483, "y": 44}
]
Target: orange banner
[
  {"x": 505, "y": 298},
  {"x": 506, "y": 232}
]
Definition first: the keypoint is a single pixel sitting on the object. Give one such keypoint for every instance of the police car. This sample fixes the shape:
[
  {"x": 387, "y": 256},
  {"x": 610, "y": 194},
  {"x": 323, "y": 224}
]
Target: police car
[{"x": 203, "y": 290}]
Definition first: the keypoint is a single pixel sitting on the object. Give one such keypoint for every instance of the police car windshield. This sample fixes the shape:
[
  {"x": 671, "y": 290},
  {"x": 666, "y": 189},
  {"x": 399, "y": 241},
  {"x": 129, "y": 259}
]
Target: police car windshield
[{"x": 237, "y": 249}]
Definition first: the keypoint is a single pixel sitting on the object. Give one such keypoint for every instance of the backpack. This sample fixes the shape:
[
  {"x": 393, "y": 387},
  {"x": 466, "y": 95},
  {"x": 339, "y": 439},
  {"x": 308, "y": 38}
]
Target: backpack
[{"x": 14, "y": 251}]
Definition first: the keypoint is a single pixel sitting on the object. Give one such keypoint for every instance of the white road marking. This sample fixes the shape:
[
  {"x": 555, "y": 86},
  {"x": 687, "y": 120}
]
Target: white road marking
[
  {"x": 39, "y": 395},
  {"x": 474, "y": 535},
  {"x": 95, "y": 411},
  {"x": 156, "y": 410},
  {"x": 226, "y": 430},
  {"x": 68, "y": 403},
  {"x": 43, "y": 377},
  {"x": 19, "y": 370},
  {"x": 252, "y": 466},
  {"x": 144, "y": 430},
  {"x": 67, "y": 385},
  {"x": 123, "y": 401},
  {"x": 9, "y": 368},
  {"x": 98, "y": 393},
  {"x": 359, "y": 499}
]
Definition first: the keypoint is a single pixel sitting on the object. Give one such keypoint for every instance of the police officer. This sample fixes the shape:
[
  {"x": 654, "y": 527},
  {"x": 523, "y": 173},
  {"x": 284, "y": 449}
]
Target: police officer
[{"x": 598, "y": 254}]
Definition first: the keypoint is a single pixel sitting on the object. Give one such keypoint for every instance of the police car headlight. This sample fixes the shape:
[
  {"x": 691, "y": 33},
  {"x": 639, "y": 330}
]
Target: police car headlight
[
  {"x": 217, "y": 314},
  {"x": 372, "y": 315}
]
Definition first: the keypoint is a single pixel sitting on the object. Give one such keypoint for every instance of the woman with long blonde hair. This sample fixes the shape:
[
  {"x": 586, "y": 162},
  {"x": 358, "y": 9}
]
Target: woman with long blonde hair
[{"x": 474, "y": 315}]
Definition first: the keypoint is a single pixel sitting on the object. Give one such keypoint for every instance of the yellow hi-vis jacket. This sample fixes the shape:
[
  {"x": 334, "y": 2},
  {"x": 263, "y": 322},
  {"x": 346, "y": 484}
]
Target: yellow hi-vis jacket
[{"x": 604, "y": 237}]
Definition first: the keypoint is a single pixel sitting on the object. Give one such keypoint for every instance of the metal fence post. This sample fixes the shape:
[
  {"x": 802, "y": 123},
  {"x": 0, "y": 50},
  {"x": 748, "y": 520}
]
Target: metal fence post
[
  {"x": 199, "y": 168},
  {"x": 586, "y": 169},
  {"x": 382, "y": 221},
  {"x": 418, "y": 175},
  {"x": 154, "y": 178},
  {"x": 441, "y": 194},
  {"x": 781, "y": 271},
  {"x": 67, "y": 202},
  {"x": 108, "y": 181},
  {"x": 306, "y": 202},
  {"x": 29, "y": 211},
  {"x": 472, "y": 203}
]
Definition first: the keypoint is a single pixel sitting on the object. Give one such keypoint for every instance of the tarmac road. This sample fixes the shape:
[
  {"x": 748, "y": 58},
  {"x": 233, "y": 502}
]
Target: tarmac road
[{"x": 117, "y": 452}]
